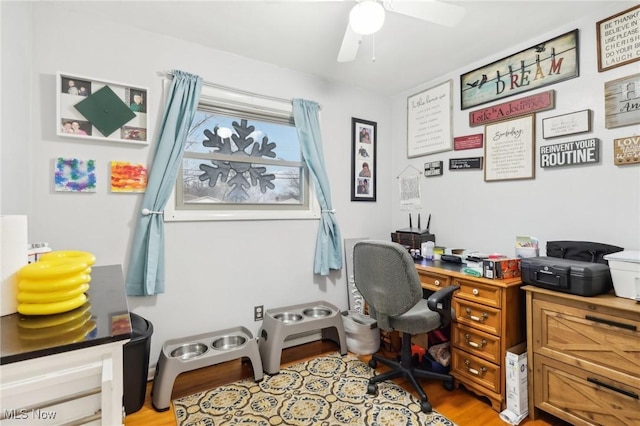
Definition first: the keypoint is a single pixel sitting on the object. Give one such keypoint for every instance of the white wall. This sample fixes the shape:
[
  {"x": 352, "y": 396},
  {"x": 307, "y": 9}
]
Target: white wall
[
  {"x": 216, "y": 271},
  {"x": 588, "y": 202}
]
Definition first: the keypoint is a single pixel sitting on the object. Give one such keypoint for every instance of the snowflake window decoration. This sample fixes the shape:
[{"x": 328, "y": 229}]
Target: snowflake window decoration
[{"x": 240, "y": 175}]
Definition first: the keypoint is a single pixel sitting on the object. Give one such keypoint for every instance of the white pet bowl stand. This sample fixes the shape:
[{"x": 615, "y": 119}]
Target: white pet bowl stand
[
  {"x": 281, "y": 325},
  {"x": 189, "y": 353}
]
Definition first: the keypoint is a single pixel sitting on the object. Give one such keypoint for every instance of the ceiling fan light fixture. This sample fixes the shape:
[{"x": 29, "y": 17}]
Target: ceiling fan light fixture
[{"x": 366, "y": 17}]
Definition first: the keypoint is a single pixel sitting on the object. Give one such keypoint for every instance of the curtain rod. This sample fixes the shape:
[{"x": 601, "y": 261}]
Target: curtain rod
[{"x": 169, "y": 74}]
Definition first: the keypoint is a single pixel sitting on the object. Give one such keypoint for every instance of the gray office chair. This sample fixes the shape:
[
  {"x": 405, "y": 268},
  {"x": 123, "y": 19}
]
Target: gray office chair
[{"x": 385, "y": 274}]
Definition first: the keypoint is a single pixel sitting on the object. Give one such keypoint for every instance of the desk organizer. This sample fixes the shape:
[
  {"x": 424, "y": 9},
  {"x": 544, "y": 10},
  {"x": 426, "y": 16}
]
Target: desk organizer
[
  {"x": 281, "y": 325},
  {"x": 190, "y": 353}
]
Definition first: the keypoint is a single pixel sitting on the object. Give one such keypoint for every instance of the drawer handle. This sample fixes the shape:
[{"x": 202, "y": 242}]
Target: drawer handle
[
  {"x": 473, "y": 370},
  {"x": 476, "y": 318},
  {"x": 475, "y": 291},
  {"x": 612, "y": 323},
  {"x": 482, "y": 344},
  {"x": 613, "y": 388},
  {"x": 436, "y": 282}
]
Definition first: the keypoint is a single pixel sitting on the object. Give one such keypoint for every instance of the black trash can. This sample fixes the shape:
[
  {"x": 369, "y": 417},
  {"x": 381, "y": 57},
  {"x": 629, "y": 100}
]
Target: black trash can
[{"x": 136, "y": 363}]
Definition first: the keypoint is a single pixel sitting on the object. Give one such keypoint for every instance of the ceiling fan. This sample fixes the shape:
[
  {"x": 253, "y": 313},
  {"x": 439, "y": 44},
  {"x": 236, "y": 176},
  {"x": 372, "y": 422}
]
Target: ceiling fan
[{"x": 367, "y": 17}]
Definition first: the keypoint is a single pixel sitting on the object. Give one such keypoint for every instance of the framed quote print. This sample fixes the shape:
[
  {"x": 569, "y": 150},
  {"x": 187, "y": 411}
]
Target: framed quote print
[
  {"x": 508, "y": 149},
  {"x": 364, "y": 137}
]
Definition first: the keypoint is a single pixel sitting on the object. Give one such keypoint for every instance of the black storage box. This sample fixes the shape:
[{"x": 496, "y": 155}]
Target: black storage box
[
  {"x": 568, "y": 276},
  {"x": 412, "y": 237}
]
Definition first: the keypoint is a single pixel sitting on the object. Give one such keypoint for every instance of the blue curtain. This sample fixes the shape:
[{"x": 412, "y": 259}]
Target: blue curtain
[
  {"x": 328, "y": 242},
  {"x": 145, "y": 276}
]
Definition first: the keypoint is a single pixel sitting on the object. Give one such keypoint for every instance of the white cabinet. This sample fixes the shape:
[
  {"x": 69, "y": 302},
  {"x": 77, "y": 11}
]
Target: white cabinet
[{"x": 82, "y": 386}]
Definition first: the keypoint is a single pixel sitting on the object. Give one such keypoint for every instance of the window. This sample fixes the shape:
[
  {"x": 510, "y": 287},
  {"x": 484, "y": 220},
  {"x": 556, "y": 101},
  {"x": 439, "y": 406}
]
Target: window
[{"x": 242, "y": 160}]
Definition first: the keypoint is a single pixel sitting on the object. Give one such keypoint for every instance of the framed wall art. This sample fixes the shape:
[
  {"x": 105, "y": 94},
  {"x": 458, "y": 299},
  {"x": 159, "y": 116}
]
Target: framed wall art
[
  {"x": 101, "y": 110},
  {"x": 549, "y": 62},
  {"x": 617, "y": 39},
  {"x": 622, "y": 102},
  {"x": 566, "y": 124},
  {"x": 509, "y": 149},
  {"x": 429, "y": 121},
  {"x": 364, "y": 137}
]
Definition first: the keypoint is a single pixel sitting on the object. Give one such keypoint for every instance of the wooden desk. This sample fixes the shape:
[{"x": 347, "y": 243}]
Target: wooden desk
[
  {"x": 490, "y": 318},
  {"x": 583, "y": 357}
]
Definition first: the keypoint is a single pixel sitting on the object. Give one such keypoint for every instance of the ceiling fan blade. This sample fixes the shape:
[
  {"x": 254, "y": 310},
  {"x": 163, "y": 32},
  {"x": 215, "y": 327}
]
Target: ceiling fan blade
[
  {"x": 434, "y": 11},
  {"x": 350, "y": 44}
]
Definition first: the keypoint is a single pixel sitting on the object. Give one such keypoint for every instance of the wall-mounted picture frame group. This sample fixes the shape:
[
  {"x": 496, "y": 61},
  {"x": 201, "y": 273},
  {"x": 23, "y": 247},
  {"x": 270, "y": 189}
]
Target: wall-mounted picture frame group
[
  {"x": 364, "y": 137},
  {"x": 616, "y": 38},
  {"x": 88, "y": 108},
  {"x": 566, "y": 124},
  {"x": 429, "y": 121},
  {"x": 509, "y": 149},
  {"x": 548, "y": 62}
]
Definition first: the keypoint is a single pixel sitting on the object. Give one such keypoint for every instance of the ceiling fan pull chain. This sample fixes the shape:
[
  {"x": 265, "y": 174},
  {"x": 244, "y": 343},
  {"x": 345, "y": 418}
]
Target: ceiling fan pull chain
[{"x": 373, "y": 59}]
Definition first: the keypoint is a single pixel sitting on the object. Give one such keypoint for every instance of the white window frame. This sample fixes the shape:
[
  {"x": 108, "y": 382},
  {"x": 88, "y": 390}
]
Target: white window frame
[{"x": 250, "y": 102}]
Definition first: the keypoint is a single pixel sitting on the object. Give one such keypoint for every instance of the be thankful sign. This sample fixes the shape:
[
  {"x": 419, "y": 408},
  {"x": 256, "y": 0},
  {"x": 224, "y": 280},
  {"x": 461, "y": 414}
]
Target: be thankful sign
[
  {"x": 626, "y": 150},
  {"x": 570, "y": 153}
]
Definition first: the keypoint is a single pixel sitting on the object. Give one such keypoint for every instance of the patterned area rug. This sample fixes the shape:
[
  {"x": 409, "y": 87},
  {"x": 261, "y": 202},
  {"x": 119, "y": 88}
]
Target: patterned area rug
[{"x": 327, "y": 391}]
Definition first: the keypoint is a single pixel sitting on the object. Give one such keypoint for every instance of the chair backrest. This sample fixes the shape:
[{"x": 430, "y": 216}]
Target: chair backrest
[{"x": 387, "y": 278}]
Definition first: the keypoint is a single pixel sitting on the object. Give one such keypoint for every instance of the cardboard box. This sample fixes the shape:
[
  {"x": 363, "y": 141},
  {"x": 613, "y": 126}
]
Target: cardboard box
[
  {"x": 516, "y": 378},
  {"x": 500, "y": 269}
]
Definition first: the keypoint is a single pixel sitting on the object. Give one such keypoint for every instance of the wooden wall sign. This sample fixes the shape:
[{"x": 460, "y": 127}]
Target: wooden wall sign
[
  {"x": 626, "y": 150},
  {"x": 548, "y": 62},
  {"x": 523, "y": 106},
  {"x": 470, "y": 163},
  {"x": 467, "y": 142},
  {"x": 617, "y": 38},
  {"x": 433, "y": 168},
  {"x": 570, "y": 153},
  {"x": 621, "y": 106}
]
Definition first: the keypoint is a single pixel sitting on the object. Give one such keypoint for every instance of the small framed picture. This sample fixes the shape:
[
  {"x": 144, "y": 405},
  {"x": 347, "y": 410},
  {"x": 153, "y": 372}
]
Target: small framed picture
[
  {"x": 566, "y": 124},
  {"x": 363, "y": 160}
]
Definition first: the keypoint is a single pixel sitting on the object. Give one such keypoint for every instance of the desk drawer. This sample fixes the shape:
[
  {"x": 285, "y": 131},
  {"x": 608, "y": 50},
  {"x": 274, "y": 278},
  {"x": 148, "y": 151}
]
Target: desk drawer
[
  {"x": 433, "y": 281},
  {"x": 478, "y": 316},
  {"x": 479, "y": 292},
  {"x": 475, "y": 369},
  {"x": 476, "y": 342},
  {"x": 582, "y": 397}
]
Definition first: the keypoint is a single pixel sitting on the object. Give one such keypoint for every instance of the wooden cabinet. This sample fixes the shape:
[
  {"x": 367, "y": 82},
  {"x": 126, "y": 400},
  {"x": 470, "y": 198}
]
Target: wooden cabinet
[
  {"x": 490, "y": 318},
  {"x": 584, "y": 357}
]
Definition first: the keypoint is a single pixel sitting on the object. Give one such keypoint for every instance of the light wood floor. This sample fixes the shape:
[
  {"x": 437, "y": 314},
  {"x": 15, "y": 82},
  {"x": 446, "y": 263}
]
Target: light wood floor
[{"x": 460, "y": 405}]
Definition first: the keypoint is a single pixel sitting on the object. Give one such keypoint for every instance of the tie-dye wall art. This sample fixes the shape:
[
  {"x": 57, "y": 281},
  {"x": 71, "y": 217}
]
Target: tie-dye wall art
[
  {"x": 74, "y": 175},
  {"x": 128, "y": 177}
]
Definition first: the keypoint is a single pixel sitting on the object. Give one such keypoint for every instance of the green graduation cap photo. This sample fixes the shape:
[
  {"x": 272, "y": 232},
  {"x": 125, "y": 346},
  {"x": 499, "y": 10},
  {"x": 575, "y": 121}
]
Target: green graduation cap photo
[{"x": 105, "y": 111}]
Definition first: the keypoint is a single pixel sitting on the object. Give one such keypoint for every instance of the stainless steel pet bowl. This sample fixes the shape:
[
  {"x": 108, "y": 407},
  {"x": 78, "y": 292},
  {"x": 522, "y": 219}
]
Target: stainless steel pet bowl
[
  {"x": 189, "y": 350},
  {"x": 288, "y": 317},
  {"x": 228, "y": 342},
  {"x": 317, "y": 312}
]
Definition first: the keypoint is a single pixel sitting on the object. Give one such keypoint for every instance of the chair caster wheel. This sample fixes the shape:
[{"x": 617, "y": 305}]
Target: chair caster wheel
[
  {"x": 373, "y": 363},
  {"x": 426, "y": 407},
  {"x": 448, "y": 385},
  {"x": 372, "y": 389}
]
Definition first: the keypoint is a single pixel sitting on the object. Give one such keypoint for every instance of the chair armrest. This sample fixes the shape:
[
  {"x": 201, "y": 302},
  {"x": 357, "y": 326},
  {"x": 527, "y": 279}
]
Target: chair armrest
[{"x": 440, "y": 302}]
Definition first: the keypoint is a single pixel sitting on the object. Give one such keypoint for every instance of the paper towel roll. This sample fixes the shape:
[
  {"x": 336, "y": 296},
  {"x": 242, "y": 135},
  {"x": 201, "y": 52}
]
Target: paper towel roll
[{"x": 13, "y": 256}]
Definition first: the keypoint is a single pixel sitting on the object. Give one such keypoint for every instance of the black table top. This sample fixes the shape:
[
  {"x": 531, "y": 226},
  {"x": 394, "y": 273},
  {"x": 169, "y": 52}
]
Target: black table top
[{"x": 104, "y": 318}]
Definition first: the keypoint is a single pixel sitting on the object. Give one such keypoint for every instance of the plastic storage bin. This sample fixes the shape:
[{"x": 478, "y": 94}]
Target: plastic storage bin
[
  {"x": 363, "y": 335},
  {"x": 625, "y": 273},
  {"x": 136, "y": 363}
]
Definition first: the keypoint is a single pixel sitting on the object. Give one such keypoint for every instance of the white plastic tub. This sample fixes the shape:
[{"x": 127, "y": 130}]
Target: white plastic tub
[{"x": 625, "y": 273}]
